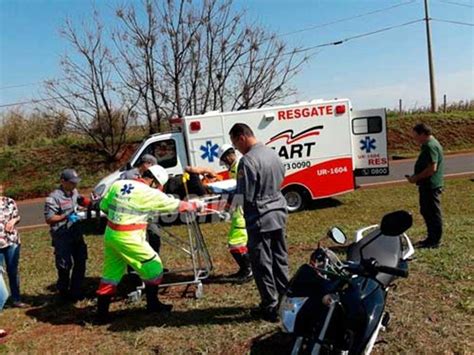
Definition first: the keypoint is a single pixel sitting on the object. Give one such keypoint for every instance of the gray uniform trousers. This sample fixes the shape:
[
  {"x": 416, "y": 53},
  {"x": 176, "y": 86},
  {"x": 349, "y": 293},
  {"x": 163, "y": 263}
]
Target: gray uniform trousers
[{"x": 269, "y": 259}]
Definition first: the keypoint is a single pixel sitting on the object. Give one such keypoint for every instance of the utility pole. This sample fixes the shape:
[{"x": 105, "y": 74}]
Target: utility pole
[{"x": 434, "y": 107}]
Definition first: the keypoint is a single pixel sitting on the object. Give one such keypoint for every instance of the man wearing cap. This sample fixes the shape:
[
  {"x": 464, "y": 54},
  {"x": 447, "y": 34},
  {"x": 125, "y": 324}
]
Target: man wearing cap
[
  {"x": 128, "y": 204},
  {"x": 70, "y": 250},
  {"x": 144, "y": 163}
]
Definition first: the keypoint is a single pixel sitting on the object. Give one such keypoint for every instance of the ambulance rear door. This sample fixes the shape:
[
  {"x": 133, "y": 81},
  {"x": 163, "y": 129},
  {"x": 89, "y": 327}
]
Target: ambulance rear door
[
  {"x": 204, "y": 134},
  {"x": 369, "y": 142}
]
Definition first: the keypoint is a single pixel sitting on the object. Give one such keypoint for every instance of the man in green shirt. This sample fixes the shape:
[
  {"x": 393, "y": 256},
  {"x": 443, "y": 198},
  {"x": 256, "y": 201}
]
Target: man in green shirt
[{"x": 428, "y": 175}]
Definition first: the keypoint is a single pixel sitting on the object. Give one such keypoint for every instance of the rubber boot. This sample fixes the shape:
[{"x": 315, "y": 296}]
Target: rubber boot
[
  {"x": 245, "y": 272},
  {"x": 153, "y": 304},
  {"x": 103, "y": 303},
  {"x": 238, "y": 259}
]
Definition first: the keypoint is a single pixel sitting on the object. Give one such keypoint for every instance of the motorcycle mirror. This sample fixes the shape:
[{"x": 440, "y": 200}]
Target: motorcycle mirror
[
  {"x": 396, "y": 223},
  {"x": 337, "y": 235}
]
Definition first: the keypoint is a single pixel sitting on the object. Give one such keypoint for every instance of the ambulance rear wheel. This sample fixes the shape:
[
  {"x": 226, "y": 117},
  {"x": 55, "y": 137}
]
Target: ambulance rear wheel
[{"x": 296, "y": 198}]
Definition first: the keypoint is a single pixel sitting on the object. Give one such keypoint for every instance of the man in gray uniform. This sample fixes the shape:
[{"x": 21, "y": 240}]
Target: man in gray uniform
[
  {"x": 144, "y": 163},
  {"x": 259, "y": 178},
  {"x": 70, "y": 250}
]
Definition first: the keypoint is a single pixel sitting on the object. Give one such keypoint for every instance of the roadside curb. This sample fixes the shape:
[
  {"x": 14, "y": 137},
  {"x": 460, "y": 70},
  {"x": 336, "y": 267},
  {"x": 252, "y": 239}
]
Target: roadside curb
[
  {"x": 404, "y": 181},
  {"x": 30, "y": 228},
  {"x": 403, "y": 160}
]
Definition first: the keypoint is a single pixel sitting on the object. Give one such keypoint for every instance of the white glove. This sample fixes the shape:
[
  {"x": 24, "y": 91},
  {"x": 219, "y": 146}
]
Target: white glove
[
  {"x": 199, "y": 205},
  {"x": 225, "y": 216}
]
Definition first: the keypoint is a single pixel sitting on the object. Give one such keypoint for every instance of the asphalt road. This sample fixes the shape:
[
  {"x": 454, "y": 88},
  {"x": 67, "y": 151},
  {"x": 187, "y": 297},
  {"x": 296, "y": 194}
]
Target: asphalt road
[
  {"x": 454, "y": 164},
  {"x": 32, "y": 211}
]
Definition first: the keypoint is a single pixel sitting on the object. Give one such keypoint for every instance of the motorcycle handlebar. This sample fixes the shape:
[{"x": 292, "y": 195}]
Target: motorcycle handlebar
[
  {"x": 372, "y": 266},
  {"x": 392, "y": 270}
]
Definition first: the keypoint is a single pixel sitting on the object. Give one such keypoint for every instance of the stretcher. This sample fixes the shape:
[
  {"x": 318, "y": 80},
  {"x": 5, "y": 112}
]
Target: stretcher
[{"x": 191, "y": 246}]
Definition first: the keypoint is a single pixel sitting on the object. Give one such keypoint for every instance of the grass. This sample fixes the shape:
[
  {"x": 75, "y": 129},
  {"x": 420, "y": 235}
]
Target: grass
[
  {"x": 34, "y": 171},
  {"x": 431, "y": 310}
]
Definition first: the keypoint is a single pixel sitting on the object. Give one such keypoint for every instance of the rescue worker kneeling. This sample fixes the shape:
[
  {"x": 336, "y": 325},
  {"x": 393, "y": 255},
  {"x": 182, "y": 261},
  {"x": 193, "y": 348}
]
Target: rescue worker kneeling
[{"x": 128, "y": 204}]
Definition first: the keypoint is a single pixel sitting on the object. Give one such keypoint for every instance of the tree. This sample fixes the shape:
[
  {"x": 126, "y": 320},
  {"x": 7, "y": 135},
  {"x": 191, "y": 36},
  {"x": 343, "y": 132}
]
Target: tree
[
  {"x": 187, "y": 58},
  {"x": 88, "y": 94},
  {"x": 172, "y": 58}
]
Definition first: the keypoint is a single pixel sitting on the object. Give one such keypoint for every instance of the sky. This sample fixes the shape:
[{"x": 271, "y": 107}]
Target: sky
[{"x": 373, "y": 71}]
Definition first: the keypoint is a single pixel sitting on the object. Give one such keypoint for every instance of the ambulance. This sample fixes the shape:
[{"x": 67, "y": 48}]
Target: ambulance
[{"x": 323, "y": 144}]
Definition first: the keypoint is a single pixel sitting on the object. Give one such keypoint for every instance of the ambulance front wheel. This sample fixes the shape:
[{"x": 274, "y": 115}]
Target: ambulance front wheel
[{"x": 296, "y": 198}]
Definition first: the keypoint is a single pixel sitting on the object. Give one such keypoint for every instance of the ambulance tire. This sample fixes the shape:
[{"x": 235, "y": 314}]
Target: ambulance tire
[{"x": 297, "y": 198}]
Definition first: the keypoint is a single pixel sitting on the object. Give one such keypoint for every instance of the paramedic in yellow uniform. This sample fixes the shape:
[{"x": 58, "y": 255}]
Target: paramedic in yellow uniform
[
  {"x": 128, "y": 204},
  {"x": 237, "y": 237}
]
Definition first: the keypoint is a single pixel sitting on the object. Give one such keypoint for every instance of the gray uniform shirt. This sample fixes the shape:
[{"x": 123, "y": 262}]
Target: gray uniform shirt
[
  {"x": 259, "y": 178},
  {"x": 58, "y": 203}
]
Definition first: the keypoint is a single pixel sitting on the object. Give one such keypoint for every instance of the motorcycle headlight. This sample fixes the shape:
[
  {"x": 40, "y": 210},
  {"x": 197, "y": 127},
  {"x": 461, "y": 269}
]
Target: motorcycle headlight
[{"x": 289, "y": 309}]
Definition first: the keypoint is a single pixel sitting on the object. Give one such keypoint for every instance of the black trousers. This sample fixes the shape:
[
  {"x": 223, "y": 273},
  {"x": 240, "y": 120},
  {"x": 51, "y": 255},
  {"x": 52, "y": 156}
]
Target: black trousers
[
  {"x": 430, "y": 209},
  {"x": 269, "y": 259},
  {"x": 70, "y": 252}
]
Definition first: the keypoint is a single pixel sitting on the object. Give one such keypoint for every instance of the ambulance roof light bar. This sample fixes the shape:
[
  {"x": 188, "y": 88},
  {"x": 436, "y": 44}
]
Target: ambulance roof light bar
[{"x": 340, "y": 109}]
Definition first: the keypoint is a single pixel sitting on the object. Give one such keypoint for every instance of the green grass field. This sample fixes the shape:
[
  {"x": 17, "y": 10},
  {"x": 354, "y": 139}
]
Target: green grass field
[{"x": 431, "y": 310}]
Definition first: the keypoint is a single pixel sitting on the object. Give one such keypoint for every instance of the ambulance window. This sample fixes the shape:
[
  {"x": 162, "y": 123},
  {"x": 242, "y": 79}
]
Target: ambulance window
[
  {"x": 366, "y": 125},
  {"x": 164, "y": 152}
]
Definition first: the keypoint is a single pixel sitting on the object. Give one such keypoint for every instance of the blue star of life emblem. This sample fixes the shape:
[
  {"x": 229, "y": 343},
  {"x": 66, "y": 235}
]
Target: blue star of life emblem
[
  {"x": 209, "y": 151},
  {"x": 367, "y": 144},
  {"x": 127, "y": 189}
]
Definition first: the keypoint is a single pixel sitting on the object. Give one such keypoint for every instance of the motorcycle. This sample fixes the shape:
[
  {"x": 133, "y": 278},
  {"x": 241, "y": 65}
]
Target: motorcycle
[{"x": 334, "y": 306}]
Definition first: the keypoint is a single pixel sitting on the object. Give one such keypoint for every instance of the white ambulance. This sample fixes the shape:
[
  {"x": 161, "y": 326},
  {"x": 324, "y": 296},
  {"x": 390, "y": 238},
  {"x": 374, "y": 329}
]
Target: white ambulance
[{"x": 323, "y": 145}]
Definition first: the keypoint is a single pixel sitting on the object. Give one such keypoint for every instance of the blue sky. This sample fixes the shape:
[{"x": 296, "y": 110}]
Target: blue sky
[{"x": 373, "y": 71}]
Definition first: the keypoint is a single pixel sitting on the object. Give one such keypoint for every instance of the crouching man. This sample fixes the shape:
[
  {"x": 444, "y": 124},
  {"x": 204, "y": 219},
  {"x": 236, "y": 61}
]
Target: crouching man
[{"x": 128, "y": 204}]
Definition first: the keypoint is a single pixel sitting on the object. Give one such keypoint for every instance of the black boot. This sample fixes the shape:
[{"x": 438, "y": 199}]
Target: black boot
[
  {"x": 245, "y": 272},
  {"x": 103, "y": 303},
  {"x": 153, "y": 304}
]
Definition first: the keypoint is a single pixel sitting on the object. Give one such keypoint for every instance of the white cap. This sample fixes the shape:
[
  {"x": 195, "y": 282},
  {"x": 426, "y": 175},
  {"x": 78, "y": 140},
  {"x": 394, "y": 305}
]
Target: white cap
[
  {"x": 160, "y": 174},
  {"x": 223, "y": 149}
]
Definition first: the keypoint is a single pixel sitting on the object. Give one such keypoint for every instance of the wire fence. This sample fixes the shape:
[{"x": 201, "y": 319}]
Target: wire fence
[{"x": 445, "y": 106}]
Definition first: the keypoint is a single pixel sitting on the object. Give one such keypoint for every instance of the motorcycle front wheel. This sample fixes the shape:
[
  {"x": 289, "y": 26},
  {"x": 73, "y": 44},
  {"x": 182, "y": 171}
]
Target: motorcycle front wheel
[{"x": 307, "y": 346}]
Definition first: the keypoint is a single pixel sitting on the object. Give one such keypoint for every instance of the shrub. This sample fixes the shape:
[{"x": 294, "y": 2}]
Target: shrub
[{"x": 34, "y": 128}]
